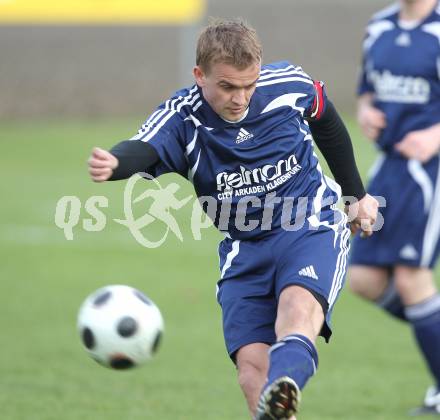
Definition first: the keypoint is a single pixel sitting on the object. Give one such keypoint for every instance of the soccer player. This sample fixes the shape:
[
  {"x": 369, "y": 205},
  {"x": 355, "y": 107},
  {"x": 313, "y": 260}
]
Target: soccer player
[
  {"x": 242, "y": 136},
  {"x": 399, "y": 110}
]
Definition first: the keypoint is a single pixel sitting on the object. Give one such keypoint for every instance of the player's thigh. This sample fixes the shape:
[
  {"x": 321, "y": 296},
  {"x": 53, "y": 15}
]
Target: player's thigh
[
  {"x": 245, "y": 294},
  {"x": 414, "y": 284},
  {"x": 247, "y": 320},
  {"x": 314, "y": 260},
  {"x": 367, "y": 281},
  {"x": 299, "y": 312}
]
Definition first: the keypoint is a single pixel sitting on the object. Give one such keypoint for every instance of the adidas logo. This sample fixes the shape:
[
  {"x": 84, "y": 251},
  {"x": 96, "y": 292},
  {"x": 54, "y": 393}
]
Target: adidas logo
[
  {"x": 243, "y": 135},
  {"x": 308, "y": 271},
  {"x": 403, "y": 40},
  {"x": 409, "y": 252}
]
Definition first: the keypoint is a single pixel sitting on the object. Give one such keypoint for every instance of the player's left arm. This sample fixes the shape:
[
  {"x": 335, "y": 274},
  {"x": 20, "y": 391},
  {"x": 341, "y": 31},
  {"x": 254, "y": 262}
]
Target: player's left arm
[
  {"x": 421, "y": 145},
  {"x": 332, "y": 138}
]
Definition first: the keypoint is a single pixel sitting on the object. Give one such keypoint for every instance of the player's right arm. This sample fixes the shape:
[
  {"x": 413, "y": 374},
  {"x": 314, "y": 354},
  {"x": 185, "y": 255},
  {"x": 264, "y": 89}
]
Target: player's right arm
[
  {"x": 157, "y": 148},
  {"x": 122, "y": 161},
  {"x": 371, "y": 120}
]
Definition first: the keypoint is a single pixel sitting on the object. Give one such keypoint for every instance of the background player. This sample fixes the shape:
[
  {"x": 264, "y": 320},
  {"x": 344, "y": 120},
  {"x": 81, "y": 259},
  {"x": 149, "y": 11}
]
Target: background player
[
  {"x": 241, "y": 135},
  {"x": 399, "y": 109}
]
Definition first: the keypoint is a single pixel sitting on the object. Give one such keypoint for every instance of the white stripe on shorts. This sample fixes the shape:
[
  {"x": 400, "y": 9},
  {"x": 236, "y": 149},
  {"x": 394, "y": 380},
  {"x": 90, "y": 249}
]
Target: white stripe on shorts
[
  {"x": 341, "y": 264},
  {"x": 432, "y": 230},
  {"x": 231, "y": 255},
  {"x": 421, "y": 178}
]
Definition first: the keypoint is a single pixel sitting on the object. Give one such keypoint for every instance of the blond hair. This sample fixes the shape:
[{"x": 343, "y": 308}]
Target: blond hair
[{"x": 231, "y": 42}]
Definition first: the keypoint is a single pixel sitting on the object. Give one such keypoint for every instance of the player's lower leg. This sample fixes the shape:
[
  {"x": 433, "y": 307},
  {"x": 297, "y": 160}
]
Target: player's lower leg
[
  {"x": 422, "y": 309},
  {"x": 293, "y": 359},
  {"x": 252, "y": 365},
  {"x": 425, "y": 319},
  {"x": 391, "y": 302}
]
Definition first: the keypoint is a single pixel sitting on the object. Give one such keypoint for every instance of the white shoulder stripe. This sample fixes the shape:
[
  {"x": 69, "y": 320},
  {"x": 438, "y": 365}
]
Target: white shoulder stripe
[
  {"x": 289, "y": 67},
  {"x": 284, "y": 80},
  {"x": 375, "y": 30},
  {"x": 433, "y": 29},
  {"x": 197, "y": 106},
  {"x": 151, "y": 120},
  {"x": 285, "y": 73},
  {"x": 151, "y": 134},
  {"x": 189, "y": 101},
  {"x": 165, "y": 117},
  {"x": 170, "y": 106},
  {"x": 388, "y": 11}
]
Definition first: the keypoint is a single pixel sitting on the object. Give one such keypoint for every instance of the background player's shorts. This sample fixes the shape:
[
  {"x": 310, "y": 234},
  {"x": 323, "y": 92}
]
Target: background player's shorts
[
  {"x": 411, "y": 230},
  {"x": 253, "y": 274}
]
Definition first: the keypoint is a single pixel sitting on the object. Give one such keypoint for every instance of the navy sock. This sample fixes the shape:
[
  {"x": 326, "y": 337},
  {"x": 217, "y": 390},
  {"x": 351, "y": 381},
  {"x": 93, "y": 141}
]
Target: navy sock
[
  {"x": 390, "y": 302},
  {"x": 425, "y": 319},
  {"x": 294, "y": 356}
]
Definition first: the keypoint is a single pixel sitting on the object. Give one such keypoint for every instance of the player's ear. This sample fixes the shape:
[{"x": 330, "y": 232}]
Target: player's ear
[{"x": 199, "y": 76}]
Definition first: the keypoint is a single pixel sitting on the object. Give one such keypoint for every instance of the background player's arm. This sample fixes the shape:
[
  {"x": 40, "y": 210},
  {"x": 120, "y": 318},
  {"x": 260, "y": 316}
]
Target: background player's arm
[
  {"x": 122, "y": 161},
  {"x": 421, "y": 145},
  {"x": 371, "y": 120}
]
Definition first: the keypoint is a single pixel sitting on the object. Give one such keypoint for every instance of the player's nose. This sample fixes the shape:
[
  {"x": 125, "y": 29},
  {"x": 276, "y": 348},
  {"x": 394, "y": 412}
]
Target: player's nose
[{"x": 239, "y": 97}]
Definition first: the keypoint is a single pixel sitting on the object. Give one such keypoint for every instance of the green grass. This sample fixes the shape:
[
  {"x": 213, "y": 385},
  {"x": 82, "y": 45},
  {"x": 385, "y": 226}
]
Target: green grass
[{"x": 371, "y": 370}]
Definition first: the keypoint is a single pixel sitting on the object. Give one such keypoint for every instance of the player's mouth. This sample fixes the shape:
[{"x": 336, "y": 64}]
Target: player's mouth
[{"x": 237, "y": 110}]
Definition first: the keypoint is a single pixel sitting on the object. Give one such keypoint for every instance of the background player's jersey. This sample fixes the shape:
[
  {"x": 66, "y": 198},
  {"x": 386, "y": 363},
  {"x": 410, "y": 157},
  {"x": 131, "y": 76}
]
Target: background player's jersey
[
  {"x": 401, "y": 67},
  {"x": 245, "y": 170}
]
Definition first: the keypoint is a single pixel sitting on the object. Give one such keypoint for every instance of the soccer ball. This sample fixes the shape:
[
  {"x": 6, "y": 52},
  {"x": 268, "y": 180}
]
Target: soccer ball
[{"x": 120, "y": 327}]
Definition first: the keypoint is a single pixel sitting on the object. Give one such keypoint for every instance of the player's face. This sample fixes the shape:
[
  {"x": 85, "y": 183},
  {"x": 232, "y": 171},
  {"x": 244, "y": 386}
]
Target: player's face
[{"x": 227, "y": 89}]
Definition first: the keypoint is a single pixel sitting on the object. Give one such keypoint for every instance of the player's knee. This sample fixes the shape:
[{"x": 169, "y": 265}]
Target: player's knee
[
  {"x": 404, "y": 284},
  {"x": 367, "y": 283},
  {"x": 414, "y": 284},
  {"x": 356, "y": 283}
]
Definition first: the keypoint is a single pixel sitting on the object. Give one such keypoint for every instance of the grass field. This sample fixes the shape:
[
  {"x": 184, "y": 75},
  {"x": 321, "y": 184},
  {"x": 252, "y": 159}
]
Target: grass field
[{"x": 370, "y": 370}]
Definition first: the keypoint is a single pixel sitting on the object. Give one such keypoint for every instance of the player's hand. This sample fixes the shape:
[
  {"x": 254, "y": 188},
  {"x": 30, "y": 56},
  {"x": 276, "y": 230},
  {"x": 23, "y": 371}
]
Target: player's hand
[
  {"x": 371, "y": 120},
  {"x": 101, "y": 164},
  {"x": 421, "y": 145},
  {"x": 362, "y": 215}
]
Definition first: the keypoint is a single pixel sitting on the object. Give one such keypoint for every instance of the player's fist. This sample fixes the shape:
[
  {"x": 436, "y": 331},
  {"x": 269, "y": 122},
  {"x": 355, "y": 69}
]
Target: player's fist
[
  {"x": 101, "y": 164},
  {"x": 362, "y": 215}
]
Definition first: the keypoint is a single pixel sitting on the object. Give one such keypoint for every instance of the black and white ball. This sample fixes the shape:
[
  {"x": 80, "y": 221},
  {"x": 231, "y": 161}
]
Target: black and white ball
[{"x": 120, "y": 327}]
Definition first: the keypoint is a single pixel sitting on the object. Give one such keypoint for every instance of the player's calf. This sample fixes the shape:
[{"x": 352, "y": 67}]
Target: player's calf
[{"x": 293, "y": 360}]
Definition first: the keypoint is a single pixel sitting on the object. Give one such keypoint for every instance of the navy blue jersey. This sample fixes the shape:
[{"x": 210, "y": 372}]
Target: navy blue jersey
[
  {"x": 244, "y": 171},
  {"x": 401, "y": 67}
]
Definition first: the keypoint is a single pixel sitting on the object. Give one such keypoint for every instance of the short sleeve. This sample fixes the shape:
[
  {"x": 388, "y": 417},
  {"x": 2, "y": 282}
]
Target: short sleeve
[
  {"x": 317, "y": 101},
  {"x": 163, "y": 130},
  {"x": 292, "y": 86}
]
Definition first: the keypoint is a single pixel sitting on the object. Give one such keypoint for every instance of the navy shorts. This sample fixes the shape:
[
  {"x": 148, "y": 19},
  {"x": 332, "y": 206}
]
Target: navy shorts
[
  {"x": 253, "y": 274},
  {"x": 411, "y": 218}
]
